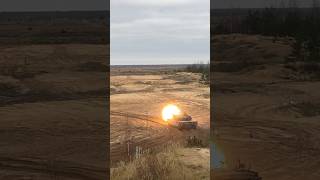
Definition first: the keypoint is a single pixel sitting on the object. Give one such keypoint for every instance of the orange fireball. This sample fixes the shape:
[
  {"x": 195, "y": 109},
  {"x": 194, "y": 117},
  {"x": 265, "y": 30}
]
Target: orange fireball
[{"x": 170, "y": 111}]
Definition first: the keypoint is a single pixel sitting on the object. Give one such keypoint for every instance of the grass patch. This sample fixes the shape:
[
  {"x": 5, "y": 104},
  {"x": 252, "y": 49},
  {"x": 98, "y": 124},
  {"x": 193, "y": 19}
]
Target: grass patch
[
  {"x": 303, "y": 71},
  {"x": 165, "y": 165}
]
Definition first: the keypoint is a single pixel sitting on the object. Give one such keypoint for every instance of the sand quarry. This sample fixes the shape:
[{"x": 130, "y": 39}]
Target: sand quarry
[
  {"x": 265, "y": 115},
  {"x": 138, "y": 94},
  {"x": 53, "y": 111}
]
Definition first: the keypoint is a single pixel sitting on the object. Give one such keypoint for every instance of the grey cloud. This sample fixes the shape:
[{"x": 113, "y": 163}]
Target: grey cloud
[{"x": 175, "y": 30}]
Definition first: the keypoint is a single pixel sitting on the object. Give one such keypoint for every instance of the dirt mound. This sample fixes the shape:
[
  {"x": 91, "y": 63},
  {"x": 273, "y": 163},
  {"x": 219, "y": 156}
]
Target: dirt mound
[{"x": 250, "y": 48}]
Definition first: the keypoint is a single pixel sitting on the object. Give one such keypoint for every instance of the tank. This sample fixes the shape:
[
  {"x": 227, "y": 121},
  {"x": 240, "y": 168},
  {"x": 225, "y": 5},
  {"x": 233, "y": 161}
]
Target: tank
[{"x": 183, "y": 121}]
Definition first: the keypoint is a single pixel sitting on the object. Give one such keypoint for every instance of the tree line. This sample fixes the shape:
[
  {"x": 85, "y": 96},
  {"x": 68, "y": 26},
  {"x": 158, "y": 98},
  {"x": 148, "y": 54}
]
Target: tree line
[{"x": 301, "y": 24}]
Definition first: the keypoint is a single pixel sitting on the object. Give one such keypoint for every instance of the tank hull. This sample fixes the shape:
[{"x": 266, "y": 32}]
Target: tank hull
[{"x": 184, "y": 124}]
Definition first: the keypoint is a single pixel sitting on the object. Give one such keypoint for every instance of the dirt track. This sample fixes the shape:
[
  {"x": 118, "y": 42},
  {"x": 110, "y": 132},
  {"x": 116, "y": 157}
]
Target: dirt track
[{"x": 136, "y": 104}]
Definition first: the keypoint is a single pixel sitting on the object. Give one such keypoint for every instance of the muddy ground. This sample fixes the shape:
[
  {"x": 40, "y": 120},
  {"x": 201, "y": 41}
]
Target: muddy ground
[
  {"x": 53, "y": 105},
  {"x": 137, "y": 98},
  {"x": 265, "y": 114}
]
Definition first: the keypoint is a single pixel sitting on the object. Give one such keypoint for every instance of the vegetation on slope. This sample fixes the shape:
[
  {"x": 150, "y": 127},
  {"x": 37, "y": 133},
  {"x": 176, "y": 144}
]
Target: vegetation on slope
[
  {"x": 172, "y": 163},
  {"x": 202, "y": 68}
]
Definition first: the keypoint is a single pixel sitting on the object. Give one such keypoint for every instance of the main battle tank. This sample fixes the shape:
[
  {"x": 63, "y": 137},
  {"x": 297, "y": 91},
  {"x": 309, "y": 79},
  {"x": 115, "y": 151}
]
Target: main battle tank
[{"x": 183, "y": 121}]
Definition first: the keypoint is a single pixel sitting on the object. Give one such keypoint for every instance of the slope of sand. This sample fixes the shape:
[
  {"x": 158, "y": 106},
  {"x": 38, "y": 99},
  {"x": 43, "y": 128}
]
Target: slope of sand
[
  {"x": 262, "y": 118},
  {"x": 53, "y": 112}
]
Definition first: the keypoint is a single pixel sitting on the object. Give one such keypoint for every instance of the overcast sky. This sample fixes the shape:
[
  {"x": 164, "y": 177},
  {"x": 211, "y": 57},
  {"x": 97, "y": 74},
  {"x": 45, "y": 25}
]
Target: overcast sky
[
  {"x": 218, "y": 4},
  {"x": 53, "y": 5},
  {"x": 160, "y": 31}
]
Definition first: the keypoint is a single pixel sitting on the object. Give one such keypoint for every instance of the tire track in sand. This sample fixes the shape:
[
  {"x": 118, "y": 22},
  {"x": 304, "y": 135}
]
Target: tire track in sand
[{"x": 55, "y": 168}]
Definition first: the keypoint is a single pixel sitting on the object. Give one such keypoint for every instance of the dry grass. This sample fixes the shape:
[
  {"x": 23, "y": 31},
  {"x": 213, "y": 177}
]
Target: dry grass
[{"x": 165, "y": 165}]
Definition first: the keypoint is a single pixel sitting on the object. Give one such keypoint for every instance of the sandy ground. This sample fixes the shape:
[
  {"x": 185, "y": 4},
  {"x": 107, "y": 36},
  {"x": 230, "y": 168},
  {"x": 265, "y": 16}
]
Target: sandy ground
[
  {"x": 262, "y": 118},
  {"x": 138, "y": 97},
  {"x": 53, "y": 112},
  {"x": 196, "y": 160}
]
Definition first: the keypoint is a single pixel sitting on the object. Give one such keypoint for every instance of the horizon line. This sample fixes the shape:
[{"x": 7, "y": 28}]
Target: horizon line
[{"x": 153, "y": 64}]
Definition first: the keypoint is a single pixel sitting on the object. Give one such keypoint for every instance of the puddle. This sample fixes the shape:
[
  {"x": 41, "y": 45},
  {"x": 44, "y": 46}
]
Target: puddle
[{"x": 216, "y": 157}]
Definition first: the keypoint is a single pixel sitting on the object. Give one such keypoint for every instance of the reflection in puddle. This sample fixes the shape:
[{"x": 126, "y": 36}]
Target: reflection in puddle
[{"x": 216, "y": 157}]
